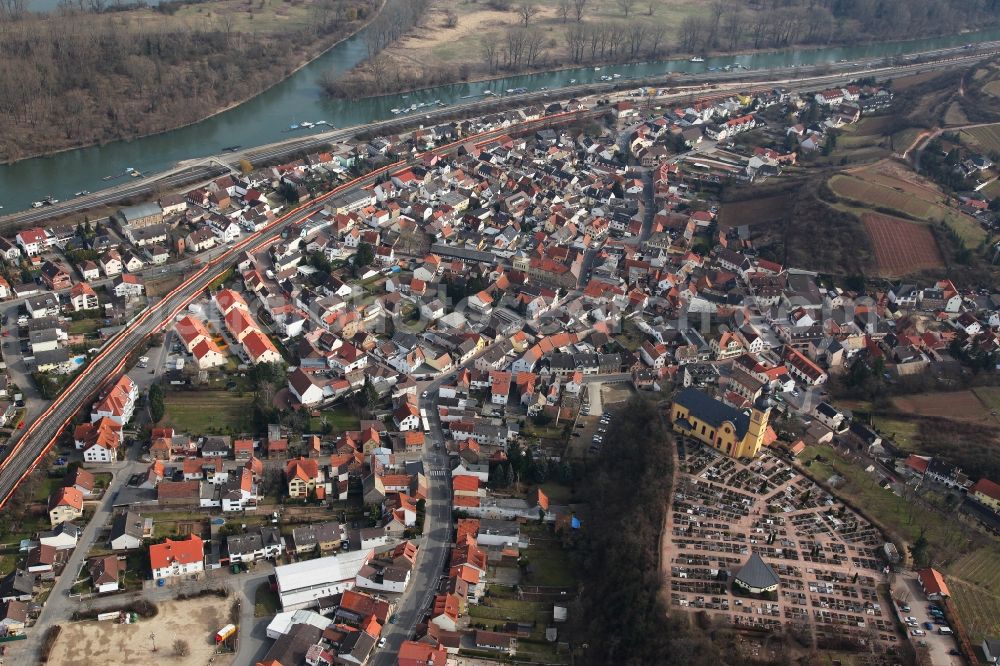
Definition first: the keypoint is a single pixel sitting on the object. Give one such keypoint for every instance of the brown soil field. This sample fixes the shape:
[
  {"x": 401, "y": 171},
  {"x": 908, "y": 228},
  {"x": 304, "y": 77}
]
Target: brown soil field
[
  {"x": 754, "y": 211},
  {"x": 901, "y": 246},
  {"x": 955, "y": 405},
  {"x": 109, "y": 644}
]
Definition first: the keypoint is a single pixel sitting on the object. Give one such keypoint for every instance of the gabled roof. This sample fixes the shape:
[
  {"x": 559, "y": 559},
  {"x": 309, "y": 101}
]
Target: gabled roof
[
  {"x": 165, "y": 554},
  {"x": 986, "y": 487},
  {"x": 67, "y": 497},
  {"x": 306, "y": 469},
  {"x": 933, "y": 582}
]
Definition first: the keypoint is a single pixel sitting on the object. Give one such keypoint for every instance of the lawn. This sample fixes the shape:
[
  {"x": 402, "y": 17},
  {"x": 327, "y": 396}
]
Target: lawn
[
  {"x": 631, "y": 338},
  {"x": 24, "y": 528},
  {"x": 558, "y": 493},
  {"x": 549, "y": 431},
  {"x": 204, "y": 412},
  {"x": 339, "y": 418},
  {"x": 178, "y": 523},
  {"x": 265, "y": 601},
  {"x": 900, "y": 431},
  {"x": 84, "y": 326}
]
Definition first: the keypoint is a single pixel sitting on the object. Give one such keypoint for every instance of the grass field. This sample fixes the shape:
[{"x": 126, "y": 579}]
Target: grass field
[
  {"x": 207, "y": 412},
  {"x": 84, "y": 326},
  {"x": 974, "y": 582},
  {"x": 990, "y": 397},
  {"x": 891, "y": 186},
  {"x": 865, "y": 190},
  {"x": 866, "y": 133},
  {"x": 987, "y": 136},
  {"x": 503, "y": 606},
  {"x": 265, "y": 601},
  {"x": 548, "y": 562},
  {"x": 901, "y": 431}
]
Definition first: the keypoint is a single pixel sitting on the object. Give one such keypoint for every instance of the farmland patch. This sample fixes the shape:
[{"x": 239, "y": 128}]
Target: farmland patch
[{"x": 901, "y": 247}]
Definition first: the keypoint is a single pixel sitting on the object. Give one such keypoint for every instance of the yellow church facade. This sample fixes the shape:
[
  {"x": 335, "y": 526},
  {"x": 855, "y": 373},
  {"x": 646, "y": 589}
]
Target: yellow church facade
[{"x": 700, "y": 416}]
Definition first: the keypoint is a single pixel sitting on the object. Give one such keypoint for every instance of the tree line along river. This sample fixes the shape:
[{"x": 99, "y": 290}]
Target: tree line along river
[{"x": 299, "y": 99}]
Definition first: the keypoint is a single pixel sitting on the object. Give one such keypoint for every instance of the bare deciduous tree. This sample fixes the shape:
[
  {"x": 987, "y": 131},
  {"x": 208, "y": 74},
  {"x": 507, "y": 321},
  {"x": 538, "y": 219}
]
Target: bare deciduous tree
[
  {"x": 488, "y": 49},
  {"x": 526, "y": 10},
  {"x": 657, "y": 35},
  {"x": 691, "y": 34},
  {"x": 579, "y": 7},
  {"x": 626, "y": 6},
  {"x": 564, "y": 9},
  {"x": 181, "y": 648},
  {"x": 733, "y": 24}
]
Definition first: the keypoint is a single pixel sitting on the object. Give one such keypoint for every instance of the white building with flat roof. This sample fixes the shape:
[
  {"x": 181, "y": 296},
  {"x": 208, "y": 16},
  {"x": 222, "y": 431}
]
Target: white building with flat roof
[{"x": 303, "y": 584}]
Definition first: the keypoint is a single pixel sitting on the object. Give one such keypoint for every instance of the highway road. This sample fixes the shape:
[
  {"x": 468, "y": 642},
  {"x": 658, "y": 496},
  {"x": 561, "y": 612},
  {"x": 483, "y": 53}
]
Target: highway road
[{"x": 203, "y": 169}]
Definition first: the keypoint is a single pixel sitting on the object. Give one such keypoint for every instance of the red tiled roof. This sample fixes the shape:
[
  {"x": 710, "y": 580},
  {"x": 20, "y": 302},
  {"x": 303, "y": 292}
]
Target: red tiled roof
[
  {"x": 986, "y": 487},
  {"x": 306, "y": 469},
  {"x": 933, "y": 582},
  {"x": 466, "y": 483},
  {"x": 164, "y": 554}
]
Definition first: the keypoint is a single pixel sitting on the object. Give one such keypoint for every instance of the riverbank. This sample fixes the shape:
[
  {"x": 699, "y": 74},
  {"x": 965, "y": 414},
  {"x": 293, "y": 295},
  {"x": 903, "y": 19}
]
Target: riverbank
[
  {"x": 251, "y": 64},
  {"x": 464, "y": 42}
]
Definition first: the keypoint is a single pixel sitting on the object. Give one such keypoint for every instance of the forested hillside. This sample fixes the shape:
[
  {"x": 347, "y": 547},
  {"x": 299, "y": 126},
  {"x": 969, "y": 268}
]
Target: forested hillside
[{"x": 78, "y": 77}]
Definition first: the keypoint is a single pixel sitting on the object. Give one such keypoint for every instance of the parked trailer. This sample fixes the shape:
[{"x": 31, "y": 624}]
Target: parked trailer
[{"x": 224, "y": 633}]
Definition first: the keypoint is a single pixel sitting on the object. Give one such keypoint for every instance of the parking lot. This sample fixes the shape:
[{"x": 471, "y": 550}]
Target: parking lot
[
  {"x": 827, "y": 558},
  {"x": 925, "y": 619}
]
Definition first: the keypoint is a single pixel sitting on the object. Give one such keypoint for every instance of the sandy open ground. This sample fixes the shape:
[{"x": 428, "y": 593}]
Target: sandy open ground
[{"x": 109, "y": 644}]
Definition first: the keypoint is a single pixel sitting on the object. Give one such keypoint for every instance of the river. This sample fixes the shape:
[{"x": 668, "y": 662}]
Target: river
[{"x": 268, "y": 117}]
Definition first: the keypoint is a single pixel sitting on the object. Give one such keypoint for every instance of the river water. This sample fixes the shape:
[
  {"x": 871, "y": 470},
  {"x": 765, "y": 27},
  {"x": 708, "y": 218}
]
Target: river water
[{"x": 268, "y": 117}]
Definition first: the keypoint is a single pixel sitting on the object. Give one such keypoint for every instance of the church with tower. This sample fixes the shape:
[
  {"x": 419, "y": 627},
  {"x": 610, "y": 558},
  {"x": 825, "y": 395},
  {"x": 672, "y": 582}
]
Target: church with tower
[{"x": 737, "y": 433}]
